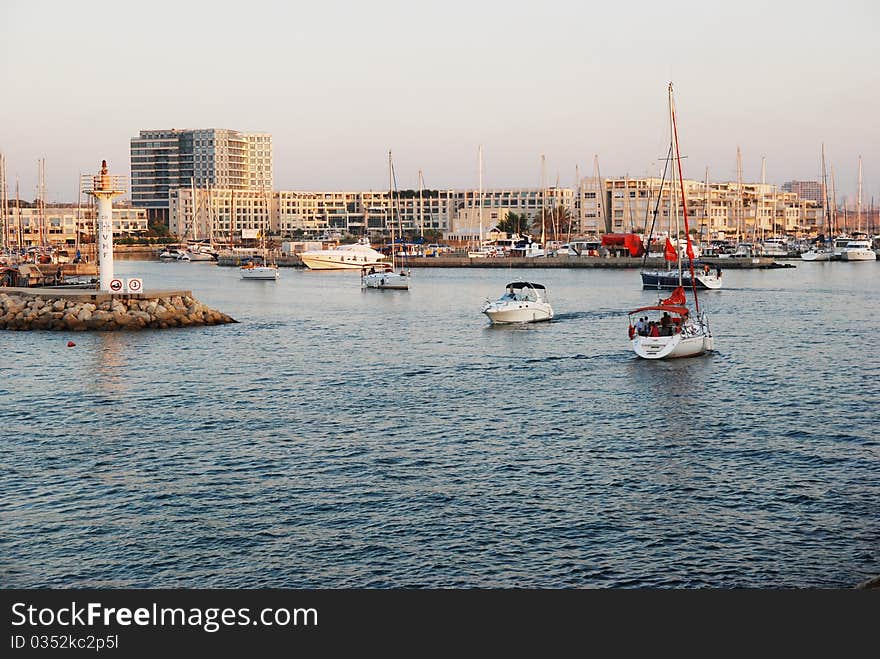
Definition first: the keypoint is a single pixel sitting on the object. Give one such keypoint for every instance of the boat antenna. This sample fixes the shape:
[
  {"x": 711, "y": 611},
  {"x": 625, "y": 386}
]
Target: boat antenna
[{"x": 687, "y": 234}]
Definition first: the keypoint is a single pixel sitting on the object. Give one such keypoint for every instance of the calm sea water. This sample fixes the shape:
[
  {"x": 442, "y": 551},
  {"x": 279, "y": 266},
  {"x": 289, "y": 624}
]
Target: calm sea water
[{"x": 346, "y": 438}]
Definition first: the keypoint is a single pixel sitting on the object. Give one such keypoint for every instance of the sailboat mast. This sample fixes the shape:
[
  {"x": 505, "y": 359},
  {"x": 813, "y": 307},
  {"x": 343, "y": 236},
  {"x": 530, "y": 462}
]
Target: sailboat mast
[
  {"x": 742, "y": 206},
  {"x": 4, "y": 203},
  {"x": 580, "y": 203},
  {"x": 690, "y": 251},
  {"x": 78, "y": 211},
  {"x": 673, "y": 193},
  {"x": 18, "y": 212},
  {"x": 391, "y": 207},
  {"x": 192, "y": 184},
  {"x": 210, "y": 203},
  {"x": 834, "y": 228},
  {"x": 40, "y": 202},
  {"x": 480, "y": 198},
  {"x": 543, "y": 205},
  {"x": 600, "y": 193},
  {"x": 763, "y": 182},
  {"x": 825, "y": 197},
  {"x": 859, "y": 198},
  {"x": 421, "y": 206},
  {"x": 706, "y": 209}
]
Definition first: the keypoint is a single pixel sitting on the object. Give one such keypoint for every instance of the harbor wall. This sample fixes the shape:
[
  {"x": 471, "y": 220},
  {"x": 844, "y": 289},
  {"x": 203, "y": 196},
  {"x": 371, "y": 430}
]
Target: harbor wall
[
  {"x": 293, "y": 261},
  {"x": 82, "y": 309}
]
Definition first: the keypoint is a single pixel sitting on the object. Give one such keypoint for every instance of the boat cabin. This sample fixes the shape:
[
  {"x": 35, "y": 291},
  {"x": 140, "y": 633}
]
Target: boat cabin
[
  {"x": 658, "y": 320},
  {"x": 524, "y": 290}
]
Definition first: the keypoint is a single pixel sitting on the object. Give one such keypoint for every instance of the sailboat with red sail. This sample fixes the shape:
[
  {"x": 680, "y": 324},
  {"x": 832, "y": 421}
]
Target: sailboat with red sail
[{"x": 668, "y": 329}]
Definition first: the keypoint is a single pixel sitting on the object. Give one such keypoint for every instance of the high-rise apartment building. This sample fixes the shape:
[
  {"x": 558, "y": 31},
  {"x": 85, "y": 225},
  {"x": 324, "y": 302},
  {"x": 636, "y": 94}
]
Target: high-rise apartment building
[
  {"x": 163, "y": 161},
  {"x": 810, "y": 190}
]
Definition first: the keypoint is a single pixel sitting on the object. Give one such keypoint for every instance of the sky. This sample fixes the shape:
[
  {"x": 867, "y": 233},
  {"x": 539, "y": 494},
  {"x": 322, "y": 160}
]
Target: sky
[{"x": 339, "y": 84}]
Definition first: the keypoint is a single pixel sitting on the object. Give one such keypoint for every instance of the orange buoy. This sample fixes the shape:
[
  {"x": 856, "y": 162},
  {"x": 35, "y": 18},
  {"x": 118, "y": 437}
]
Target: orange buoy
[{"x": 70, "y": 344}]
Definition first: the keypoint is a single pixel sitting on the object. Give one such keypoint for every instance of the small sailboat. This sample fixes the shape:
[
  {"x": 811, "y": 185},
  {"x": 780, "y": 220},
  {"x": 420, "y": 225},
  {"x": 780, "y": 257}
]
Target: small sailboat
[
  {"x": 668, "y": 329},
  {"x": 522, "y": 302},
  {"x": 253, "y": 270},
  {"x": 822, "y": 250},
  {"x": 670, "y": 279},
  {"x": 263, "y": 270},
  {"x": 385, "y": 275}
]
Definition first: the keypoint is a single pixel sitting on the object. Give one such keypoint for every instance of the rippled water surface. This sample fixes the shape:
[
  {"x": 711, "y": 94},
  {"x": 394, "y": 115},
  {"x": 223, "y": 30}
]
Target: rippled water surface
[{"x": 347, "y": 438}]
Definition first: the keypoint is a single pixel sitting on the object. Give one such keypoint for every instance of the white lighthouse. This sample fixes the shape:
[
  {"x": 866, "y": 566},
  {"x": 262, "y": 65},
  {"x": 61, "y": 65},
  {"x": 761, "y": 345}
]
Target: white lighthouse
[{"x": 103, "y": 188}]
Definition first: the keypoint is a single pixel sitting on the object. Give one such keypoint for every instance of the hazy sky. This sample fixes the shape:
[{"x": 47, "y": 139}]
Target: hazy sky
[{"x": 339, "y": 83}]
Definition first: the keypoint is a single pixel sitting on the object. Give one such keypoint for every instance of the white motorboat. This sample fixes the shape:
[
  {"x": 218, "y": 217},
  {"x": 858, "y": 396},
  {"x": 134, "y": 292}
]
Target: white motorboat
[
  {"x": 343, "y": 257},
  {"x": 383, "y": 276},
  {"x": 858, "y": 249},
  {"x": 255, "y": 271},
  {"x": 776, "y": 247},
  {"x": 522, "y": 302}
]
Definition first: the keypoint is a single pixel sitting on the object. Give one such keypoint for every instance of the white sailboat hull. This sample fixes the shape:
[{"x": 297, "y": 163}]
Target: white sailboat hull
[
  {"x": 813, "y": 255},
  {"x": 387, "y": 280},
  {"x": 668, "y": 279},
  {"x": 259, "y": 272},
  {"x": 200, "y": 256},
  {"x": 672, "y": 347},
  {"x": 518, "y": 311}
]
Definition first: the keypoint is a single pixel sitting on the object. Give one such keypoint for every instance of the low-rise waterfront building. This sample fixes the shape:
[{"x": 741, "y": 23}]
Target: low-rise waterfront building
[
  {"x": 60, "y": 224},
  {"x": 618, "y": 205}
]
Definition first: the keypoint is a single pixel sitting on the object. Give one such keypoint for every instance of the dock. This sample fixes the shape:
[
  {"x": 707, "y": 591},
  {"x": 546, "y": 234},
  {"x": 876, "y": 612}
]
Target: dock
[{"x": 293, "y": 261}]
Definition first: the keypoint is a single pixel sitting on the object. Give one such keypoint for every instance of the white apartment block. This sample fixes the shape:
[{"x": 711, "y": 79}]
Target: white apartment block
[
  {"x": 58, "y": 225},
  {"x": 618, "y": 205},
  {"x": 719, "y": 209}
]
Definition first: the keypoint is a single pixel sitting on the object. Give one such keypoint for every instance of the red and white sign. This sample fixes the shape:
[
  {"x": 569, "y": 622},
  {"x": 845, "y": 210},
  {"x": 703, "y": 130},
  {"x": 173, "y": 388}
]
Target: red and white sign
[
  {"x": 116, "y": 285},
  {"x": 134, "y": 285}
]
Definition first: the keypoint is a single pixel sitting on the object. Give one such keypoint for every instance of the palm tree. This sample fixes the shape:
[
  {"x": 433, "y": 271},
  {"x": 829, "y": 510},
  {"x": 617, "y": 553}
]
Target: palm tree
[
  {"x": 561, "y": 220},
  {"x": 515, "y": 223}
]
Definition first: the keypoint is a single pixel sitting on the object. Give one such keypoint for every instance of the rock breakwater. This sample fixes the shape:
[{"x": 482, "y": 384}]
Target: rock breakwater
[{"x": 48, "y": 310}]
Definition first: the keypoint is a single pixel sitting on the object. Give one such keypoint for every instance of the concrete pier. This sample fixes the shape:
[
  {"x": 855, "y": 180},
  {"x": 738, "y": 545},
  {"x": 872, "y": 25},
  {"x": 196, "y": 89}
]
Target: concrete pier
[
  {"x": 292, "y": 261},
  {"x": 88, "y": 309}
]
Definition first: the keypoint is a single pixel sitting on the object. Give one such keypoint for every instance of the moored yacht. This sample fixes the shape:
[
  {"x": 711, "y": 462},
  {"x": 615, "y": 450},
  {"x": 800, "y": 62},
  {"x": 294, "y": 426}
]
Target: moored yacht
[
  {"x": 858, "y": 249},
  {"x": 343, "y": 257},
  {"x": 777, "y": 247},
  {"x": 838, "y": 244}
]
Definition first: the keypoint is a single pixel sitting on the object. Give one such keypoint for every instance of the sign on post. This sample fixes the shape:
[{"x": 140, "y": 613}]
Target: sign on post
[
  {"x": 116, "y": 285},
  {"x": 134, "y": 285}
]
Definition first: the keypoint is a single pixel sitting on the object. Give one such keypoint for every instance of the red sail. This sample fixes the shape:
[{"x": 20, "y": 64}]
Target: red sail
[
  {"x": 677, "y": 299},
  {"x": 669, "y": 253}
]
